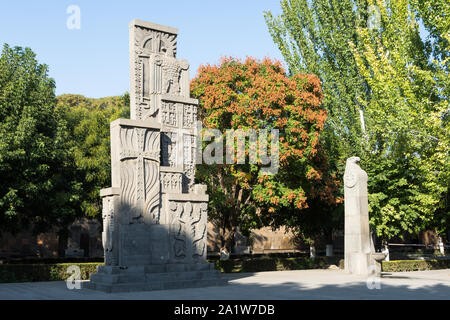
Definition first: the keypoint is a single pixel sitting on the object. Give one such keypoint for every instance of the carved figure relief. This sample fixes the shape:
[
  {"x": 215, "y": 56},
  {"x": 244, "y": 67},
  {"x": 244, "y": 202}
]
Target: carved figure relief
[
  {"x": 199, "y": 231},
  {"x": 171, "y": 74},
  {"x": 178, "y": 225},
  {"x": 167, "y": 74},
  {"x": 188, "y": 237},
  {"x": 109, "y": 229}
]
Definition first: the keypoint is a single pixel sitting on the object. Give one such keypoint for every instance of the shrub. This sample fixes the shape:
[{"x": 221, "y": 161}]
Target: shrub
[
  {"x": 410, "y": 265},
  {"x": 415, "y": 265},
  {"x": 42, "y": 272},
  {"x": 269, "y": 264}
]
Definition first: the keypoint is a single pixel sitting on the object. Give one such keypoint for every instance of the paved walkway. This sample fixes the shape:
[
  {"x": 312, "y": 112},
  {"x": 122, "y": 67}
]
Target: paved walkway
[{"x": 301, "y": 284}]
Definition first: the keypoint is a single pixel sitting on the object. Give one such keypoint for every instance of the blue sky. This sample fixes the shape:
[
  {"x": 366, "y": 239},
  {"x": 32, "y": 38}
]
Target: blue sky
[{"x": 93, "y": 60}]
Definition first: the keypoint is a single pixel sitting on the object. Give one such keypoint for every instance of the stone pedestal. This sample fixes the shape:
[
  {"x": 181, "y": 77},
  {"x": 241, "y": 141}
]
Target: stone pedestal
[
  {"x": 360, "y": 257},
  {"x": 112, "y": 279},
  {"x": 154, "y": 215}
]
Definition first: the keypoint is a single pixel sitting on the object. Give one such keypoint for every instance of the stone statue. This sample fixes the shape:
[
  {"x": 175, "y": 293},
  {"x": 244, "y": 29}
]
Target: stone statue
[
  {"x": 154, "y": 215},
  {"x": 360, "y": 256}
]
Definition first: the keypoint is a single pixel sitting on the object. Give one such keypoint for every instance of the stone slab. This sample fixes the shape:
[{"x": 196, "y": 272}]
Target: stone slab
[
  {"x": 148, "y": 123},
  {"x": 109, "y": 192},
  {"x": 153, "y": 26}
]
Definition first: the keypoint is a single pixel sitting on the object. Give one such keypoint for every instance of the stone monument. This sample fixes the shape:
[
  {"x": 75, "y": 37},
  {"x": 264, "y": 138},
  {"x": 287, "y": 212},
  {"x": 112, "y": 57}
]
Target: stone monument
[
  {"x": 360, "y": 256},
  {"x": 154, "y": 215}
]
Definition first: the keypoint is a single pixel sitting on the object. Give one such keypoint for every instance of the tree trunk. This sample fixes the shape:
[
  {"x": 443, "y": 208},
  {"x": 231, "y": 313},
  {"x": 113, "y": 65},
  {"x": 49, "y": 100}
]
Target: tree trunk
[
  {"x": 63, "y": 238},
  {"x": 229, "y": 240}
]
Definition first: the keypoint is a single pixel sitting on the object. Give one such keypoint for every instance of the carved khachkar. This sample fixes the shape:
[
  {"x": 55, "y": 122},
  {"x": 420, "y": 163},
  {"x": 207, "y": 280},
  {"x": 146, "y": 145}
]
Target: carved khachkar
[
  {"x": 360, "y": 257},
  {"x": 154, "y": 215}
]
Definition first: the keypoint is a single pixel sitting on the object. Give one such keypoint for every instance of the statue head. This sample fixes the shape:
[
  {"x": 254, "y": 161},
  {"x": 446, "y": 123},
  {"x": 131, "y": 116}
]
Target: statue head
[
  {"x": 353, "y": 160},
  {"x": 351, "y": 171}
]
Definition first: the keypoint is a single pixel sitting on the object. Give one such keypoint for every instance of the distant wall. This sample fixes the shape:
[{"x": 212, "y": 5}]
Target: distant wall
[
  {"x": 261, "y": 241},
  {"x": 24, "y": 244},
  {"x": 86, "y": 238},
  {"x": 85, "y": 235}
]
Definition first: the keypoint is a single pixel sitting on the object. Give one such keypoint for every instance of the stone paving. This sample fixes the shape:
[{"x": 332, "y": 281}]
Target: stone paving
[{"x": 299, "y": 284}]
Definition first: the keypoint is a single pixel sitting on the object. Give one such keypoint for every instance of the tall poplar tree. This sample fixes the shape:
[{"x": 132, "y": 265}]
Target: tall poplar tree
[{"x": 385, "y": 89}]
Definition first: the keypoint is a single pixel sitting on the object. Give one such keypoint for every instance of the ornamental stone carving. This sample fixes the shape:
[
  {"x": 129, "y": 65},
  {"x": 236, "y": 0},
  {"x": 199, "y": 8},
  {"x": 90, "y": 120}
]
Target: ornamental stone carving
[{"x": 154, "y": 216}]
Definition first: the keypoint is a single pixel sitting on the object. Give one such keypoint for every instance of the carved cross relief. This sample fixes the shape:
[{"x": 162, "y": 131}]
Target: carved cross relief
[{"x": 139, "y": 158}]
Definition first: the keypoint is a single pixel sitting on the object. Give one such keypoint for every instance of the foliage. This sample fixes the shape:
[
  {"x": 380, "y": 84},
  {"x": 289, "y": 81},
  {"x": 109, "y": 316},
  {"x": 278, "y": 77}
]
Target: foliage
[
  {"x": 313, "y": 37},
  {"x": 86, "y": 122},
  {"x": 408, "y": 119},
  {"x": 54, "y": 152},
  {"x": 43, "y": 272},
  {"x": 258, "y": 95},
  {"x": 386, "y": 91},
  {"x": 35, "y": 190},
  {"x": 269, "y": 264}
]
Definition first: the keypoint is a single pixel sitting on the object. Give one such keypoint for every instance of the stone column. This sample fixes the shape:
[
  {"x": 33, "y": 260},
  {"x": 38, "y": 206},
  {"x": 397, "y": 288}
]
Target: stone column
[{"x": 357, "y": 234}]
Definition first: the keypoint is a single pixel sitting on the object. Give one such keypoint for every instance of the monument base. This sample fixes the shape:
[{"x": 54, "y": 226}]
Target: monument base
[
  {"x": 358, "y": 263},
  {"x": 112, "y": 279}
]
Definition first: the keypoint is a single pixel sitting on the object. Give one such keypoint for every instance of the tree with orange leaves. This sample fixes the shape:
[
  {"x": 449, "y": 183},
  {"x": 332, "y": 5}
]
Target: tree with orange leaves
[{"x": 259, "y": 95}]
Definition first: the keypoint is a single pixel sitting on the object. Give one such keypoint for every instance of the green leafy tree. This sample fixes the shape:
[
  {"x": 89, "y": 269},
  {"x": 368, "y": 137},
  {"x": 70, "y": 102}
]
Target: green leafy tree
[
  {"x": 385, "y": 77},
  {"x": 313, "y": 37},
  {"x": 408, "y": 115},
  {"x": 35, "y": 191},
  {"x": 258, "y": 95},
  {"x": 87, "y": 123}
]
